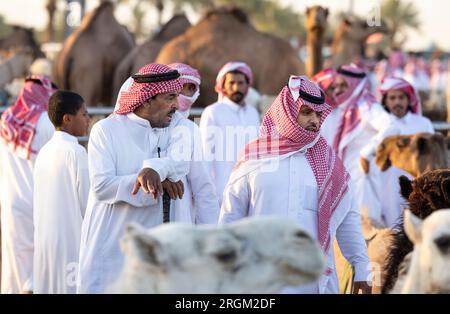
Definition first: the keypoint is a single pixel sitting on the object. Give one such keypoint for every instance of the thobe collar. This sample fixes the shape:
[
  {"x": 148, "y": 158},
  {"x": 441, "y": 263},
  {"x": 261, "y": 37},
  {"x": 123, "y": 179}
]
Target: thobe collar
[
  {"x": 231, "y": 104},
  {"x": 141, "y": 121},
  {"x": 406, "y": 119},
  {"x": 65, "y": 136}
]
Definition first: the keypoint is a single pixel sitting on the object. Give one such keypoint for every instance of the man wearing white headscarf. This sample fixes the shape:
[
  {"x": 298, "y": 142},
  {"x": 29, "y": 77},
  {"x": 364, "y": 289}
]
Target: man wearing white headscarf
[{"x": 229, "y": 124}]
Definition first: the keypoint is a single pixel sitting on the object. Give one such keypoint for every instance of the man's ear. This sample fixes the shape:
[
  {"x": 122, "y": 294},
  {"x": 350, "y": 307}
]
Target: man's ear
[
  {"x": 138, "y": 243},
  {"x": 413, "y": 227}
]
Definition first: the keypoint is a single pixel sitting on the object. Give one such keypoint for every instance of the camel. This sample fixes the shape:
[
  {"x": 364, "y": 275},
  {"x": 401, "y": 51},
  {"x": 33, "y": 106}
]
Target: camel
[
  {"x": 20, "y": 38},
  {"x": 148, "y": 51},
  {"x": 315, "y": 24},
  {"x": 15, "y": 66},
  {"x": 429, "y": 262},
  {"x": 350, "y": 38},
  {"x": 90, "y": 55},
  {"x": 416, "y": 154},
  {"x": 425, "y": 195},
  {"x": 237, "y": 258},
  {"x": 223, "y": 35}
]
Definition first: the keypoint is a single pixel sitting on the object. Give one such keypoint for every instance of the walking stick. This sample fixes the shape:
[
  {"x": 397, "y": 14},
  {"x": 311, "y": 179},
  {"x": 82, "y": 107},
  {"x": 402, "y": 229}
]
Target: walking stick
[{"x": 166, "y": 200}]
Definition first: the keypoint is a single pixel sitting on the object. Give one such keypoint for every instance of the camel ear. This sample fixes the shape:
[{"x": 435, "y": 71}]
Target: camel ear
[
  {"x": 422, "y": 146},
  {"x": 326, "y": 12},
  {"x": 413, "y": 227},
  {"x": 382, "y": 157},
  {"x": 405, "y": 187},
  {"x": 141, "y": 245},
  {"x": 445, "y": 187}
]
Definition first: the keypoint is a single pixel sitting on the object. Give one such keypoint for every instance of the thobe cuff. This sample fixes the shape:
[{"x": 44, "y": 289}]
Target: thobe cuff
[
  {"x": 363, "y": 272},
  {"x": 158, "y": 165}
]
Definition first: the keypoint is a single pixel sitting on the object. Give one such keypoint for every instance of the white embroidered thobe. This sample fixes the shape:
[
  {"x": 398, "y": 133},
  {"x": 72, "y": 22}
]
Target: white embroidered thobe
[
  {"x": 120, "y": 146},
  {"x": 61, "y": 187},
  {"x": 392, "y": 204},
  {"x": 226, "y": 128},
  {"x": 290, "y": 190},
  {"x": 17, "y": 212}
]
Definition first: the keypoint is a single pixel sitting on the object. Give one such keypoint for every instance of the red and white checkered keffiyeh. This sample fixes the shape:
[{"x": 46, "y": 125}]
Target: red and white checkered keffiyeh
[
  {"x": 325, "y": 78},
  {"x": 138, "y": 93},
  {"x": 357, "y": 94},
  {"x": 395, "y": 83},
  {"x": 187, "y": 75},
  {"x": 18, "y": 122},
  {"x": 227, "y": 68},
  {"x": 280, "y": 134}
]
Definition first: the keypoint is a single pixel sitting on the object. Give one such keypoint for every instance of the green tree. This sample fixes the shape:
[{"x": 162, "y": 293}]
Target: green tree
[{"x": 400, "y": 16}]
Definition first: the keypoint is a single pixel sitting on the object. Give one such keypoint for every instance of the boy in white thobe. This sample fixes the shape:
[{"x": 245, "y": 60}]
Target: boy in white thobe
[
  {"x": 25, "y": 128},
  {"x": 126, "y": 173},
  {"x": 61, "y": 187},
  {"x": 229, "y": 124},
  {"x": 291, "y": 171},
  {"x": 401, "y": 100}
]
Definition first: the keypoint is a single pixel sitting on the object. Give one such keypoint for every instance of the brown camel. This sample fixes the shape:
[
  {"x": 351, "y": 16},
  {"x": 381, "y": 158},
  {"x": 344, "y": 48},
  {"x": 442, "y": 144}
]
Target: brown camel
[
  {"x": 416, "y": 154},
  {"x": 350, "y": 37},
  {"x": 315, "y": 24},
  {"x": 90, "y": 55},
  {"x": 20, "y": 38},
  {"x": 426, "y": 194},
  {"x": 16, "y": 66},
  {"x": 148, "y": 51},
  {"x": 224, "y": 35}
]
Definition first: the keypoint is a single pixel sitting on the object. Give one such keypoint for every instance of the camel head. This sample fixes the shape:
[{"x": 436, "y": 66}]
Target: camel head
[
  {"x": 358, "y": 29},
  {"x": 316, "y": 18},
  {"x": 427, "y": 193},
  {"x": 416, "y": 154},
  {"x": 430, "y": 264},
  {"x": 255, "y": 255}
]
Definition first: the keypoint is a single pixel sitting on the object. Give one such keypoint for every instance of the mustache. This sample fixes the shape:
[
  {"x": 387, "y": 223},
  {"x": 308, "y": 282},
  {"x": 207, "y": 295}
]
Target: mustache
[{"x": 312, "y": 127}]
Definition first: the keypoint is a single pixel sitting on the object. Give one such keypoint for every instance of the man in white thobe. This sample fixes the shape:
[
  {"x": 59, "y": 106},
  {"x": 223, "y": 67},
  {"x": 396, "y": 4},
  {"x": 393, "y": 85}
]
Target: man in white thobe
[
  {"x": 127, "y": 168},
  {"x": 291, "y": 171},
  {"x": 61, "y": 187},
  {"x": 25, "y": 128},
  {"x": 203, "y": 201},
  {"x": 402, "y": 101},
  {"x": 229, "y": 124},
  {"x": 361, "y": 118}
]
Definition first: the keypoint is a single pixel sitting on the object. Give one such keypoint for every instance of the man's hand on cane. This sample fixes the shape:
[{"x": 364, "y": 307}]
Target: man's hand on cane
[
  {"x": 363, "y": 286},
  {"x": 174, "y": 189},
  {"x": 149, "y": 180}
]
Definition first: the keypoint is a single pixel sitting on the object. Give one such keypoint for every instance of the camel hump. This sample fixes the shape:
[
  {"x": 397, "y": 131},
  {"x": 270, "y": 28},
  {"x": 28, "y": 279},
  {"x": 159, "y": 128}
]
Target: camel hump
[{"x": 236, "y": 12}]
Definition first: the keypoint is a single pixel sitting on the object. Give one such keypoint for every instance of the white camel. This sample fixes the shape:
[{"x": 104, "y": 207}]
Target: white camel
[
  {"x": 255, "y": 255},
  {"x": 427, "y": 268}
]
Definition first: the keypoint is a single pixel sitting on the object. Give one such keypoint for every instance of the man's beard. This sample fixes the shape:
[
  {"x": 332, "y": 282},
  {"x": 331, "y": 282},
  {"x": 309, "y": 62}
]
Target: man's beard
[{"x": 237, "y": 97}]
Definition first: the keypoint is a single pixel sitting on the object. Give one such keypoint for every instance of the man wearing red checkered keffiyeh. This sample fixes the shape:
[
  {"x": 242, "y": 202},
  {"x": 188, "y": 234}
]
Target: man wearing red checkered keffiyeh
[
  {"x": 402, "y": 101},
  {"x": 25, "y": 128},
  {"x": 291, "y": 171},
  {"x": 133, "y": 154}
]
